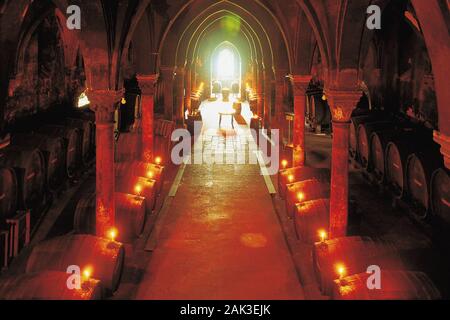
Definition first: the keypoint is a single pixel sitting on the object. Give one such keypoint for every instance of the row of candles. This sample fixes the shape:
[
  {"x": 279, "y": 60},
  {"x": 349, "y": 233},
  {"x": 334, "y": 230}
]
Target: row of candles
[
  {"x": 322, "y": 234},
  {"x": 113, "y": 232}
]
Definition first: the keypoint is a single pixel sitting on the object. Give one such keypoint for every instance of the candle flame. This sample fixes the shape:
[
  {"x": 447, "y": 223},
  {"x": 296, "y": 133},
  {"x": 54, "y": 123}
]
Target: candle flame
[
  {"x": 323, "y": 235},
  {"x": 300, "y": 196},
  {"x": 284, "y": 163},
  {"x": 138, "y": 189},
  {"x": 341, "y": 271},
  {"x": 158, "y": 160},
  {"x": 291, "y": 178},
  {"x": 150, "y": 174},
  {"x": 87, "y": 273},
  {"x": 112, "y": 233}
]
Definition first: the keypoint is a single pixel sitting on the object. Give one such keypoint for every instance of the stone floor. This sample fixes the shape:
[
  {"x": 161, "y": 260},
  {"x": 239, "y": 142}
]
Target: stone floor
[{"x": 221, "y": 238}]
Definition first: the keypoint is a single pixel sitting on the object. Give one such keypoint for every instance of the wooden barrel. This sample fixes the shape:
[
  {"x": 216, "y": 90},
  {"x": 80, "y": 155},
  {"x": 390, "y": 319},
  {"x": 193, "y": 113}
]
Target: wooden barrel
[
  {"x": 353, "y": 139},
  {"x": 148, "y": 186},
  {"x": 364, "y": 134},
  {"x": 355, "y": 254},
  {"x": 310, "y": 217},
  {"x": 72, "y": 140},
  {"x": 395, "y": 285},
  {"x": 378, "y": 143},
  {"x": 440, "y": 195},
  {"x": 47, "y": 285},
  {"x": 29, "y": 166},
  {"x": 128, "y": 147},
  {"x": 86, "y": 129},
  {"x": 53, "y": 151},
  {"x": 397, "y": 153},
  {"x": 419, "y": 170},
  {"x": 296, "y": 174},
  {"x": 8, "y": 192},
  {"x": 130, "y": 216},
  {"x": 142, "y": 169},
  {"x": 306, "y": 190},
  {"x": 105, "y": 257}
]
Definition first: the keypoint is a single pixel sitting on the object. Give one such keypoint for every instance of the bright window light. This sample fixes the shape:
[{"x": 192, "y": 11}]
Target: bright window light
[{"x": 225, "y": 64}]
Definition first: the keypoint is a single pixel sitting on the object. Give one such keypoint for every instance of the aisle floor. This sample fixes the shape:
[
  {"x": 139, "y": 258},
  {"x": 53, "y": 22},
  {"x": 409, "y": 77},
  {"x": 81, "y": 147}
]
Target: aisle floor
[{"x": 221, "y": 238}]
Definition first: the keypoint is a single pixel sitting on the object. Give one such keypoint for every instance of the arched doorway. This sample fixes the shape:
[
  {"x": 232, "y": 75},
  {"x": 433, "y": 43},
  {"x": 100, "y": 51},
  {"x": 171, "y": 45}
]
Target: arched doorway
[{"x": 226, "y": 68}]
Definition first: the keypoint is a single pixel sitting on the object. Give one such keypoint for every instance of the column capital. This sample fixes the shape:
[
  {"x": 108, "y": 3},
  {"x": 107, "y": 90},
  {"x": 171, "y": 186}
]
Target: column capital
[
  {"x": 444, "y": 141},
  {"x": 342, "y": 103},
  {"x": 300, "y": 83},
  {"x": 103, "y": 103},
  {"x": 147, "y": 83}
]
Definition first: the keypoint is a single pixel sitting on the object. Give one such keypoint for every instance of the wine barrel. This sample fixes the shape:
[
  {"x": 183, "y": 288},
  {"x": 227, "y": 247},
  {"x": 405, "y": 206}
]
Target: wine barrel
[
  {"x": 364, "y": 134},
  {"x": 142, "y": 169},
  {"x": 29, "y": 166},
  {"x": 8, "y": 192},
  {"x": 53, "y": 151},
  {"x": 47, "y": 285},
  {"x": 310, "y": 217},
  {"x": 397, "y": 153},
  {"x": 379, "y": 140},
  {"x": 419, "y": 170},
  {"x": 296, "y": 174},
  {"x": 104, "y": 256},
  {"x": 395, "y": 285},
  {"x": 440, "y": 195},
  {"x": 128, "y": 147},
  {"x": 378, "y": 144},
  {"x": 72, "y": 140},
  {"x": 355, "y": 254},
  {"x": 86, "y": 129},
  {"x": 148, "y": 186},
  {"x": 130, "y": 216},
  {"x": 308, "y": 190},
  {"x": 355, "y": 122}
]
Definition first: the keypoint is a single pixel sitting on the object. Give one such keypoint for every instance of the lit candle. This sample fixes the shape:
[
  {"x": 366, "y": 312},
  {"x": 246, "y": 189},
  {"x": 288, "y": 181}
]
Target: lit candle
[
  {"x": 284, "y": 163},
  {"x": 323, "y": 235},
  {"x": 300, "y": 196},
  {"x": 112, "y": 234},
  {"x": 138, "y": 189},
  {"x": 340, "y": 268},
  {"x": 150, "y": 174},
  {"x": 87, "y": 273},
  {"x": 291, "y": 178},
  {"x": 158, "y": 160}
]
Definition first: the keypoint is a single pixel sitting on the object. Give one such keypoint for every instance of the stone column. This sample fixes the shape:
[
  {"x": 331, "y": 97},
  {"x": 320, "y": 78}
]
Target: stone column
[
  {"x": 147, "y": 86},
  {"x": 444, "y": 141},
  {"x": 300, "y": 84},
  {"x": 179, "y": 89},
  {"x": 280, "y": 78},
  {"x": 103, "y": 103},
  {"x": 187, "y": 97},
  {"x": 167, "y": 74},
  {"x": 342, "y": 103},
  {"x": 259, "y": 87},
  {"x": 268, "y": 75}
]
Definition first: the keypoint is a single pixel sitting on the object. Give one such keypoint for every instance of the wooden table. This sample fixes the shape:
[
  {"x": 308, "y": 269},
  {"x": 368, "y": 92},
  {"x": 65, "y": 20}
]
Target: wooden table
[{"x": 230, "y": 113}]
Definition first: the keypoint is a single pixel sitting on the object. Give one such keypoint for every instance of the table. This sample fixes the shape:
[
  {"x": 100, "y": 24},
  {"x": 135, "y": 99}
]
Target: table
[{"x": 227, "y": 113}]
